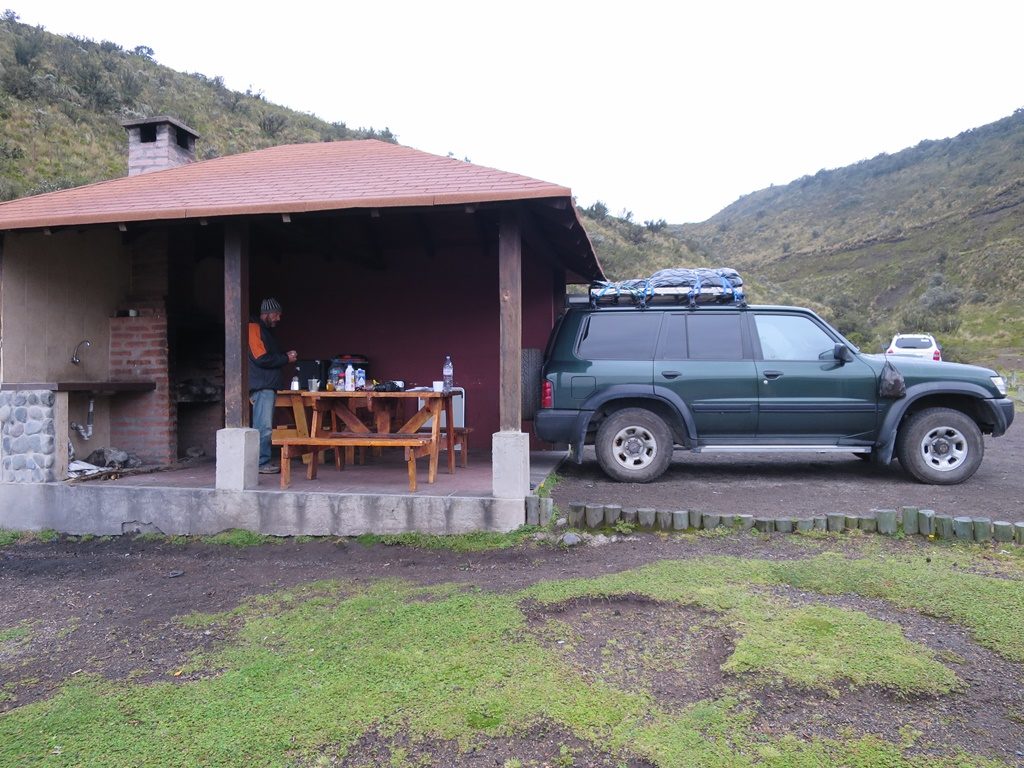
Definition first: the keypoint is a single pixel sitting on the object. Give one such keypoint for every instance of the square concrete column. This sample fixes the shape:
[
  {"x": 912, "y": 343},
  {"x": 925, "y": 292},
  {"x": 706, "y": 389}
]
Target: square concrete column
[
  {"x": 238, "y": 455},
  {"x": 510, "y": 465}
]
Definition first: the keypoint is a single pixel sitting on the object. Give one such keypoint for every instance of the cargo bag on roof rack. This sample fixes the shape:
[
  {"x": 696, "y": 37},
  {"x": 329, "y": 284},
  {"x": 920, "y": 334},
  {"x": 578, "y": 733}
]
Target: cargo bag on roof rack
[{"x": 720, "y": 285}]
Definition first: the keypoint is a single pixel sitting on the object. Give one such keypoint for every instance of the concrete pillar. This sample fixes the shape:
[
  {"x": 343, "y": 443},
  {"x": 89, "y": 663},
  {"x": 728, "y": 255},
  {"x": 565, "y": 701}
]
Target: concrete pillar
[
  {"x": 510, "y": 465},
  {"x": 238, "y": 456}
]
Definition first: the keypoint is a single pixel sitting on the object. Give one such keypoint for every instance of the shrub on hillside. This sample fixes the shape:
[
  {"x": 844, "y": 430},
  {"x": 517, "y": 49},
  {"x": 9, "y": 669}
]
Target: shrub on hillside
[
  {"x": 272, "y": 123},
  {"x": 936, "y": 310},
  {"x": 19, "y": 82},
  {"x": 28, "y": 46}
]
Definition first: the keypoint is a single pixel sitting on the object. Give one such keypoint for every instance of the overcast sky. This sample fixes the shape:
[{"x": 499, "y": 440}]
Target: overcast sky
[{"x": 670, "y": 111}]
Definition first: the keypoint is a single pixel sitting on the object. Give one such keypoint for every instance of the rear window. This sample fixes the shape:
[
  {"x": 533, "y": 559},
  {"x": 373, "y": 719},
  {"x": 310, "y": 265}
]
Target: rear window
[
  {"x": 714, "y": 337},
  {"x": 620, "y": 336},
  {"x": 914, "y": 342}
]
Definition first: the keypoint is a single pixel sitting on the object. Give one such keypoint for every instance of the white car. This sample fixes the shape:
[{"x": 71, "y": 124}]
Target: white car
[{"x": 921, "y": 345}]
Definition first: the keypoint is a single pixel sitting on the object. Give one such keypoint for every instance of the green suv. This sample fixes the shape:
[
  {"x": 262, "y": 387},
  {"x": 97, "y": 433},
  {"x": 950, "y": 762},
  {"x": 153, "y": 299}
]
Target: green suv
[{"x": 636, "y": 381}]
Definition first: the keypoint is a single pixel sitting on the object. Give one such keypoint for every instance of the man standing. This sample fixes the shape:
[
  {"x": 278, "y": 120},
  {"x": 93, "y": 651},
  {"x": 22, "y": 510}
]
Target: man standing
[{"x": 265, "y": 363}]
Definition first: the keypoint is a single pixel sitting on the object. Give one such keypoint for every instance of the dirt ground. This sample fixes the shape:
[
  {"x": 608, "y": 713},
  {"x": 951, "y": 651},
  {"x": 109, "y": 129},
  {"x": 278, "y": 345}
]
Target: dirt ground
[
  {"x": 803, "y": 485},
  {"x": 110, "y": 607}
]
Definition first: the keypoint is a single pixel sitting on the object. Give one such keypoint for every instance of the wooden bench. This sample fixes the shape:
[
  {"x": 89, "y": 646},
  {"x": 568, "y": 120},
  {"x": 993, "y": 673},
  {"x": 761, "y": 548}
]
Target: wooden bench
[
  {"x": 416, "y": 446},
  {"x": 461, "y": 438}
]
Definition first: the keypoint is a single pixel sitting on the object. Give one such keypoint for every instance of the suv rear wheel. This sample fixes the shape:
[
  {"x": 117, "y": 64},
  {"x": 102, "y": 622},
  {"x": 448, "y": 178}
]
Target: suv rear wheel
[
  {"x": 940, "y": 446},
  {"x": 634, "y": 446}
]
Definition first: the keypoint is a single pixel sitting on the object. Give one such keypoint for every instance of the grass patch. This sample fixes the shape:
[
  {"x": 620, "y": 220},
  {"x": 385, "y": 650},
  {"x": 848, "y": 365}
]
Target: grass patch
[
  {"x": 814, "y": 646},
  {"x": 8, "y": 537},
  {"x": 545, "y": 488},
  {"x": 16, "y": 634},
  {"x": 462, "y": 542},
  {"x": 323, "y": 663}
]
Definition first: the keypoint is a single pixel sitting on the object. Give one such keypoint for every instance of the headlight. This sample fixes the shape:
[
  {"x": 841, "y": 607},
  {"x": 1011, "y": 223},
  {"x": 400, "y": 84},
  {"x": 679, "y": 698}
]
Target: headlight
[{"x": 1000, "y": 384}]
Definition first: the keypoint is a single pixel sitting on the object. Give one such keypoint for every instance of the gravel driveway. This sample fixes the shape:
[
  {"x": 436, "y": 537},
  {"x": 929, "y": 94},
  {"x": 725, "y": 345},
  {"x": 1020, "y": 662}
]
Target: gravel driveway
[{"x": 805, "y": 484}]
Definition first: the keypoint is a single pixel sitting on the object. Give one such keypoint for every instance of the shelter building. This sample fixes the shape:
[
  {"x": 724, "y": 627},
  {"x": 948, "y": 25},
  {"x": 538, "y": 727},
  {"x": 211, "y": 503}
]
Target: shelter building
[{"x": 372, "y": 248}]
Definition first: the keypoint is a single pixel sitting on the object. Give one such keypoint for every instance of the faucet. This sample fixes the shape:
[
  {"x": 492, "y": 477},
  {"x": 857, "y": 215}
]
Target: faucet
[{"x": 75, "y": 358}]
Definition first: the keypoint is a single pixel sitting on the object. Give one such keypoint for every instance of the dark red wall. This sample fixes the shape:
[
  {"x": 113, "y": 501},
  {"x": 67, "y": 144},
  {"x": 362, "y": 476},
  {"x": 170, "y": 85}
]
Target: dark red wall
[{"x": 406, "y": 308}]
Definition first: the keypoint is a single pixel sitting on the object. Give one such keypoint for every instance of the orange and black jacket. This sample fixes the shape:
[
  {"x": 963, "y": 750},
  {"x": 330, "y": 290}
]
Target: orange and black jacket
[{"x": 265, "y": 358}]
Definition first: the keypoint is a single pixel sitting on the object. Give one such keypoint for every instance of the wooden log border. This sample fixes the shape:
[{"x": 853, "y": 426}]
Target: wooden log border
[{"x": 894, "y": 522}]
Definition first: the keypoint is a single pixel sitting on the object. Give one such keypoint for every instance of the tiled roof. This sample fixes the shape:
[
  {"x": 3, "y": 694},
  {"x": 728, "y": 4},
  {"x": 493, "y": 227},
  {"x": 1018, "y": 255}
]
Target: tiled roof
[{"x": 284, "y": 179}]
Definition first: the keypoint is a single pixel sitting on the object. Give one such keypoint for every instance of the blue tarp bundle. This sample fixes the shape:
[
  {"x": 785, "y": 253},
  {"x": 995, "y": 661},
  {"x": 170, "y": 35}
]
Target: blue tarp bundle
[{"x": 704, "y": 285}]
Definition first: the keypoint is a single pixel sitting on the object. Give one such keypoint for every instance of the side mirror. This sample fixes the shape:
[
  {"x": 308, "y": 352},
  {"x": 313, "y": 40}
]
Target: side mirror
[{"x": 842, "y": 353}]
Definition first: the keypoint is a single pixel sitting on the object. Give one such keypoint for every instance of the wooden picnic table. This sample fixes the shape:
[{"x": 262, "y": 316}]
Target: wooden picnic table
[{"x": 335, "y": 424}]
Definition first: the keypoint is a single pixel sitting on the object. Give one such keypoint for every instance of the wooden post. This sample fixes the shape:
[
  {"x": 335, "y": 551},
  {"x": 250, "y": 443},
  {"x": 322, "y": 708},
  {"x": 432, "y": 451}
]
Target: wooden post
[
  {"x": 743, "y": 522},
  {"x": 910, "y": 520},
  {"x": 887, "y": 522},
  {"x": 926, "y": 522},
  {"x": 576, "y": 514},
  {"x": 510, "y": 310},
  {"x": 711, "y": 520},
  {"x": 1003, "y": 530},
  {"x": 236, "y": 306}
]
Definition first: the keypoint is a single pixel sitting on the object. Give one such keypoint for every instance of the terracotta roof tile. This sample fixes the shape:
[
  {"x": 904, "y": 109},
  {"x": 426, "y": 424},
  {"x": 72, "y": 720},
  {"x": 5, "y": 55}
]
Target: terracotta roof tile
[{"x": 285, "y": 179}]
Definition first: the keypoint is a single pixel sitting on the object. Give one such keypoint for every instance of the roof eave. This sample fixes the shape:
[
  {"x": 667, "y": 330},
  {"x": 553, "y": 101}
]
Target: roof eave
[{"x": 305, "y": 206}]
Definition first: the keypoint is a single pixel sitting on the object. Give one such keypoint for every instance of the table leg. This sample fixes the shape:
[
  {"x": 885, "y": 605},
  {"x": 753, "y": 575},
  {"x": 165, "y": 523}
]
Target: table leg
[
  {"x": 410, "y": 459},
  {"x": 435, "y": 438},
  {"x": 450, "y": 433},
  {"x": 286, "y": 466}
]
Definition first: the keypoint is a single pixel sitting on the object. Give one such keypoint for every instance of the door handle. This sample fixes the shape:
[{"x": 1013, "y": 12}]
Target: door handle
[
  {"x": 771, "y": 374},
  {"x": 671, "y": 374}
]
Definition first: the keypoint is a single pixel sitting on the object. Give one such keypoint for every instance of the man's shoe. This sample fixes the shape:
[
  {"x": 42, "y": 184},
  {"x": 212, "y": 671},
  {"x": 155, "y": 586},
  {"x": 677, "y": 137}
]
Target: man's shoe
[{"x": 269, "y": 469}]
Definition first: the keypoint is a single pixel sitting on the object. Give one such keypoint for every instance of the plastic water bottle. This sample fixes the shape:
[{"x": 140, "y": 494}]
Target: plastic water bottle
[
  {"x": 448, "y": 373},
  {"x": 350, "y": 378}
]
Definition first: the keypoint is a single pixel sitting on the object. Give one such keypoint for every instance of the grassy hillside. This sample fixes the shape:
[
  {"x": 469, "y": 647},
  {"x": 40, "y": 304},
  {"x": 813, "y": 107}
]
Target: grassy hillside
[
  {"x": 928, "y": 239},
  {"x": 627, "y": 249},
  {"x": 62, "y": 100}
]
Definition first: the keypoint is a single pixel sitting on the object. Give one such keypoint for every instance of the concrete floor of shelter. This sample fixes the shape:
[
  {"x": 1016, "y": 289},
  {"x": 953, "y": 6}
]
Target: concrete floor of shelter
[{"x": 379, "y": 475}]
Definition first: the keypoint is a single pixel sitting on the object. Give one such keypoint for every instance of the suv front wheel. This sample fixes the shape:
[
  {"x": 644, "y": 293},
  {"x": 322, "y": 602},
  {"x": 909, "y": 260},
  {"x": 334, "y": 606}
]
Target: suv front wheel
[
  {"x": 634, "y": 446},
  {"x": 940, "y": 446}
]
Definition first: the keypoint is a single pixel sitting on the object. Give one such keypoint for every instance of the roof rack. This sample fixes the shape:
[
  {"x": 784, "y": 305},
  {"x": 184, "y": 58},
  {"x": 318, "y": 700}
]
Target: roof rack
[{"x": 689, "y": 287}]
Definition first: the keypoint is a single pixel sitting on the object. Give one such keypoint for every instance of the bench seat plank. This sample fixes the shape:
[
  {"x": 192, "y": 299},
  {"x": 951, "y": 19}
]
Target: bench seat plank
[{"x": 416, "y": 446}]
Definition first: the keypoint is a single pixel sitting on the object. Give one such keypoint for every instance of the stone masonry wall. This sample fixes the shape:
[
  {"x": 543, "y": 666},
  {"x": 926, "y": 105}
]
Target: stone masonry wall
[{"x": 27, "y": 442}]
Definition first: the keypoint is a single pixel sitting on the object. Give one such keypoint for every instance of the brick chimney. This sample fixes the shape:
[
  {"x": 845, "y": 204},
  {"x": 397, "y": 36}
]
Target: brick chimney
[{"x": 158, "y": 143}]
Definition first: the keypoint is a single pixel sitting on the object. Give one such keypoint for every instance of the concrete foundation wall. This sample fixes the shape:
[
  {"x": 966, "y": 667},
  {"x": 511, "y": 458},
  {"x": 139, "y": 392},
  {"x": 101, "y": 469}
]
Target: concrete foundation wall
[{"x": 110, "y": 510}]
